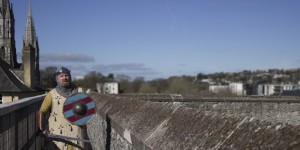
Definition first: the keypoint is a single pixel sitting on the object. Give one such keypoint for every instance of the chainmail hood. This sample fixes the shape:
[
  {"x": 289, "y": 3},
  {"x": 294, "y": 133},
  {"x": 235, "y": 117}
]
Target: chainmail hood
[
  {"x": 62, "y": 90},
  {"x": 66, "y": 91}
]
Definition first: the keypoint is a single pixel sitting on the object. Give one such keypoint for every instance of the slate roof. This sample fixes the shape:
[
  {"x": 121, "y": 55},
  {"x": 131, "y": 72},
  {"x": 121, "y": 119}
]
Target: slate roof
[{"x": 9, "y": 82}]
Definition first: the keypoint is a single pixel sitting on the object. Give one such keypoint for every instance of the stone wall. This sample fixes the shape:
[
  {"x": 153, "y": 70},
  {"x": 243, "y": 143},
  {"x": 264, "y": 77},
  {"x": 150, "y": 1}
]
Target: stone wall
[
  {"x": 274, "y": 112},
  {"x": 128, "y": 123}
]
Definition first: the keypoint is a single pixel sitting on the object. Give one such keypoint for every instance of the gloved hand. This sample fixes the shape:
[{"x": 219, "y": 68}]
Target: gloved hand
[
  {"x": 40, "y": 124},
  {"x": 43, "y": 133}
]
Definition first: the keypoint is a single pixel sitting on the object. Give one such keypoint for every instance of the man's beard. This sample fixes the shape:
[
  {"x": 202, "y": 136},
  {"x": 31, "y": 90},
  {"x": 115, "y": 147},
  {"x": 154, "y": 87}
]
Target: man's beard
[
  {"x": 66, "y": 88},
  {"x": 66, "y": 84}
]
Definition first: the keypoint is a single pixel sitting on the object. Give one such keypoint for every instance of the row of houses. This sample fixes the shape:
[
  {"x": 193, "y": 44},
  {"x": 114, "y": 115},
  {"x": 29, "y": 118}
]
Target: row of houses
[
  {"x": 239, "y": 89},
  {"x": 261, "y": 89},
  {"x": 278, "y": 89}
]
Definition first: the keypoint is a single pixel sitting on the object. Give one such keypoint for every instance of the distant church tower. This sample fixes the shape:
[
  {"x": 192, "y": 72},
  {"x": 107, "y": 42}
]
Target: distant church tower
[
  {"x": 7, "y": 34},
  {"x": 18, "y": 80},
  {"x": 30, "y": 40},
  {"x": 29, "y": 70}
]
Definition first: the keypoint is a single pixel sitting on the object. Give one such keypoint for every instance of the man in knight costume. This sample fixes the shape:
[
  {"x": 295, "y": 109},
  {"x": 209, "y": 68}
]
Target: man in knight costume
[{"x": 57, "y": 124}]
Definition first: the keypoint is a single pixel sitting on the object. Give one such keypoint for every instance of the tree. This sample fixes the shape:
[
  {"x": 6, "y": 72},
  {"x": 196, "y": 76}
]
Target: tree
[
  {"x": 92, "y": 78},
  {"x": 47, "y": 76},
  {"x": 136, "y": 84},
  {"x": 181, "y": 85},
  {"x": 160, "y": 85},
  {"x": 147, "y": 88},
  {"x": 122, "y": 77},
  {"x": 124, "y": 81},
  {"x": 201, "y": 76},
  {"x": 110, "y": 77}
]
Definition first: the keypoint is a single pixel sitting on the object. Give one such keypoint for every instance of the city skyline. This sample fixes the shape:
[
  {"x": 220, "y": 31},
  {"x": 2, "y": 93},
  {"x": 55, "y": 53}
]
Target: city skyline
[{"x": 158, "y": 39}]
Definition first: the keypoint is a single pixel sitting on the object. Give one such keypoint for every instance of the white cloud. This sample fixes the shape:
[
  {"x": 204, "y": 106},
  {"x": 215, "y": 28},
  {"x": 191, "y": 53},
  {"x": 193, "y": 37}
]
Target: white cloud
[
  {"x": 66, "y": 57},
  {"x": 131, "y": 69}
]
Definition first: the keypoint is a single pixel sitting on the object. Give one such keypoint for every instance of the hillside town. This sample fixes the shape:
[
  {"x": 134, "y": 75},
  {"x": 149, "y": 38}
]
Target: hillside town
[
  {"x": 263, "y": 83},
  {"x": 270, "y": 82}
]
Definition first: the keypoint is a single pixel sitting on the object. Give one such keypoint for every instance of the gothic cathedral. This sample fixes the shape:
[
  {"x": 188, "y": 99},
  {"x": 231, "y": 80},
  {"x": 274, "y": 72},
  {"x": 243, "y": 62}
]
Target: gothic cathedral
[
  {"x": 17, "y": 77},
  {"x": 30, "y": 50}
]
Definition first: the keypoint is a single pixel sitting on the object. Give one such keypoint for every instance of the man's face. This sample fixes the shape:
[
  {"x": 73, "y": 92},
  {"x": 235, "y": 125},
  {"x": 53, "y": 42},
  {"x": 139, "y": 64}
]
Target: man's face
[{"x": 64, "y": 79}]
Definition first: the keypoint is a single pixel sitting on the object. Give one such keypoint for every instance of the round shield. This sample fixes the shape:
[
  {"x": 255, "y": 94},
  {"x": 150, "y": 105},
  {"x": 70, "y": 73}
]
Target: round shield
[{"x": 79, "y": 109}]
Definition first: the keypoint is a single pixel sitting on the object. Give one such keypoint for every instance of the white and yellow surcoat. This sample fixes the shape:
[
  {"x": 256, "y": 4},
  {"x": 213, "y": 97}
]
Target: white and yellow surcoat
[{"x": 57, "y": 124}]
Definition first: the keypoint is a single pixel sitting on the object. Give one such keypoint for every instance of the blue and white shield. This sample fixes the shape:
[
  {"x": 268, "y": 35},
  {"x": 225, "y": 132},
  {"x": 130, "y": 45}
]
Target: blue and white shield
[{"x": 79, "y": 109}]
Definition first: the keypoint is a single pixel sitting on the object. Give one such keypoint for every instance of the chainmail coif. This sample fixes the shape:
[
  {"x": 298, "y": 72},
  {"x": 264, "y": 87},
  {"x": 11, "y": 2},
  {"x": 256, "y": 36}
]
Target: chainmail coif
[{"x": 66, "y": 91}]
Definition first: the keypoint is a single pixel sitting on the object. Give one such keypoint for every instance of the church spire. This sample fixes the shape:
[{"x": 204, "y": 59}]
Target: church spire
[
  {"x": 30, "y": 35},
  {"x": 31, "y": 40}
]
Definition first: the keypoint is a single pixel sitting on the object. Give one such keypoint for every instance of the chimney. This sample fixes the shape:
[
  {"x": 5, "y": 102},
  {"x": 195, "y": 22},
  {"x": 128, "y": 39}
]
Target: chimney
[{"x": 29, "y": 65}]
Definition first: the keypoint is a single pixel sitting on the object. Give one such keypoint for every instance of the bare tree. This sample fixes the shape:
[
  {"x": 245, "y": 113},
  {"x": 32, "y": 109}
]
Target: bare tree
[
  {"x": 136, "y": 84},
  {"x": 47, "y": 76}
]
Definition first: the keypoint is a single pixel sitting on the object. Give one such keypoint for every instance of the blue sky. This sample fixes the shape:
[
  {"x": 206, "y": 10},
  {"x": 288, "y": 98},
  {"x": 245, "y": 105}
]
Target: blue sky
[{"x": 162, "y": 38}]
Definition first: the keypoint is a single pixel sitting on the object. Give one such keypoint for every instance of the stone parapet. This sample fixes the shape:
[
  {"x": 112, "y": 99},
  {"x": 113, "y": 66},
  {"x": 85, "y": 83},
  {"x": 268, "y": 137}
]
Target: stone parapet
[{"x": 130, "y": 123}]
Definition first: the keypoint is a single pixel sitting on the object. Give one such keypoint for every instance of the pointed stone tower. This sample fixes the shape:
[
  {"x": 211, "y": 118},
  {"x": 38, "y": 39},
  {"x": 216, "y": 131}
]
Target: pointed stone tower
[
  {"x": 18, "y": 80},
  {"x": 7, "y": 34},
  {"x": 30, "y": 41},
  {"x": 28, "y": 64}
]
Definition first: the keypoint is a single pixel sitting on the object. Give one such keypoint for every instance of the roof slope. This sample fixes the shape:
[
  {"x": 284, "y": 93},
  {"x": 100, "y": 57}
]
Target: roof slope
[{"x": 9, "y": 82}]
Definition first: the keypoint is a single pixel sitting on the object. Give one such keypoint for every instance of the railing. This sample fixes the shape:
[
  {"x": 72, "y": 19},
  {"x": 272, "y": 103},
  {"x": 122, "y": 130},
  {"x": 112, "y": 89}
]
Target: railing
[{"x": 18, "y": 124}]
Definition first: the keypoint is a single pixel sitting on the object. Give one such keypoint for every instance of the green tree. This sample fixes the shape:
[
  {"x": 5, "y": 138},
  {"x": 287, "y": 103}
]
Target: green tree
[
  {"x": 110, "y": 77},
  {"x": 47, "y": 76},
  {"x": 181, "y": 85},
  {"x": 201, "y": 76},
  {"x": 92, "y": 78},
  {"x": 136, "y": 84},
  {"x": 160, "y": 85},
  {"x": 124, "y": 81},
  {"x": 147, "y": 88}
]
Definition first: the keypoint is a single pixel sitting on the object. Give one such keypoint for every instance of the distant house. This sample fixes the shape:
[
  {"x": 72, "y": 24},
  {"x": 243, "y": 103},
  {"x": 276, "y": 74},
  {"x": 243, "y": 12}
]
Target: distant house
[
  {"x": 233, "y": 88},
  {"x": 278, "y": 89},
  {"x": 237, "y": 88},
  {"x": 17, "y": 80},
  {"x": 108, "y": 88},
  {"x": 218, "y": 88}
]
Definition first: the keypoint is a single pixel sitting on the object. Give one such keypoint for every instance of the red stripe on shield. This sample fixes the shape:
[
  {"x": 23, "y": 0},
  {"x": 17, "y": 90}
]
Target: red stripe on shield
[
  {"x": 75, "y": 118},
  {"x": 70, "y": 106}
]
